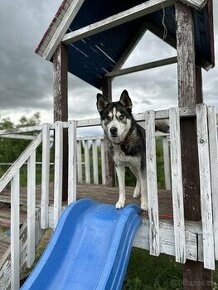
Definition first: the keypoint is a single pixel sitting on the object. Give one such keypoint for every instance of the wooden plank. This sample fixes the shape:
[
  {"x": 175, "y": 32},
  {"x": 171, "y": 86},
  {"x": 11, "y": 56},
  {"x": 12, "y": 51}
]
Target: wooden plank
[
  {"x": 79, "y": 162},
  {"x": 197, "y": 4},
  {"x": 11, "y": 172},
  {"x": 130, "y": 47},
  {"x": 185, "y": 112},
  {"x": 72, "y": 162},
  {"x": 87, "y": 162},
  {"x": 177, "y": 186},
  {"x": 166, "y": 157},
  {"x": 59, "y": 32},
  {"x": 103, "y": 171},
  {"x": 15, "y": 232},
  {"x": 152, "y": 192},
  {"x": 58, "y": 174},
  {"x": 205, "y": 187},
  {"x": 95, "y": 161},
  {"x": 187, "y": 82},
  {"x": 141, "y": 67},
  {"x": 186, "y": 56},
  {"x": 18, "y": 136},
  {"x": 45, "y": 175},
  {"x": 167, "y": 242},
  {"x": 117, "y": 19},
  {"x": 60, "y": 91},
  {"x": 31, "y": 209},
  {"x": 213, "y": 143}
]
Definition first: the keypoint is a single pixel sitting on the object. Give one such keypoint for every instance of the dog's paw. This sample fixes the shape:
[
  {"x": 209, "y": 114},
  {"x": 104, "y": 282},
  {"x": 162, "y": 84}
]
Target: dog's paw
[
  {"x": 144, "y": 206},
  {"x": 120, "y": 204}
]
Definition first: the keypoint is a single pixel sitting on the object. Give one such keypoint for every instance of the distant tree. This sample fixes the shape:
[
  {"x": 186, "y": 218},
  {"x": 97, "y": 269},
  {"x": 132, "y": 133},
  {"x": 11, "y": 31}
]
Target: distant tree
[{"x": 10, "y": 149}]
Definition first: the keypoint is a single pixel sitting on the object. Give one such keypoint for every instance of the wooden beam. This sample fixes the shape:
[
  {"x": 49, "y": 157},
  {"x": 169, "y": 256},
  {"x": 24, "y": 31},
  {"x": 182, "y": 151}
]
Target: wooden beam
[
  {"x": 197, "y": 4},
  {"x": 61, "y": 29},
  {"x": 141, "y": 67},
  {"x": 130, "y": 47},
  {"x": 60, "y": 87},
  {"x": 159, "y": 33},
  {"x": 194, "y": 273},
  {"x": 117, "y": 19}
]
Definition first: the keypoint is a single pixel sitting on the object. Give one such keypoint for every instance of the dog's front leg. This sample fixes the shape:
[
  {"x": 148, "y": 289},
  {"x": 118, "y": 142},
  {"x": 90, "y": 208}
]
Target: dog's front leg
[
  {"x": 120, "y": 170},
  {"x": 144, "y": 201}
]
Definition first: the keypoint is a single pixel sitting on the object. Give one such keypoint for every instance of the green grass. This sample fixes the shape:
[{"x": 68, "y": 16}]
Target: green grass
[{"x": 146, "y": 272}]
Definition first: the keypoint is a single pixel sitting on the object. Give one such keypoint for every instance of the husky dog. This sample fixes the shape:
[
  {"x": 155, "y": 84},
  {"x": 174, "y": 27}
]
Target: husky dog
[{"x": 128, "y": 143}]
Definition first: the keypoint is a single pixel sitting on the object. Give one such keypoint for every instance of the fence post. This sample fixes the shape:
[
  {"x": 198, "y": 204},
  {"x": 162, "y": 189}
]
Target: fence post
[
  {"x": 152, "y": 191},
  {"x": 45, "y": 175},
  {"x": 15, "y": 232},
  {"x": 72, "y": 162},
  {"x": 58, "y": 174},
  {"x": 87, "y": 162},
  {"x": 95, "y": 161},
  {"x": 31, "y": 208}
]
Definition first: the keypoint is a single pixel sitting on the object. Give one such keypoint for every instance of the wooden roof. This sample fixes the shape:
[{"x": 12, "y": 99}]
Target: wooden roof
[{"x": 100, "y": 36}]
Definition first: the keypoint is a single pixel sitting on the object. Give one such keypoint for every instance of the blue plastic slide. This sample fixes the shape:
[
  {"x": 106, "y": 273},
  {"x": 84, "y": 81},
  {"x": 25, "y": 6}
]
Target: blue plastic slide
[{"x": 89, "y": 249}]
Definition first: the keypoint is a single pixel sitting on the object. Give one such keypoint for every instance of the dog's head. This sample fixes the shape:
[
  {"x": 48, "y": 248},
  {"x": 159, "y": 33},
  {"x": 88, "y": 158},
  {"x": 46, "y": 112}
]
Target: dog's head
[{"x": 116, "y": 117}]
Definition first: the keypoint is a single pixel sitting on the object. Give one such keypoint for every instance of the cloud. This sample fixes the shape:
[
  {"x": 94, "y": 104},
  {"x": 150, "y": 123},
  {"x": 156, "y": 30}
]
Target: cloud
[{"x": 26, "y": 79}]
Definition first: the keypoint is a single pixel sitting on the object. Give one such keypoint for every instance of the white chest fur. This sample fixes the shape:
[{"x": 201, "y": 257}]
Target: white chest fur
[{"x": 121, "y": 159}]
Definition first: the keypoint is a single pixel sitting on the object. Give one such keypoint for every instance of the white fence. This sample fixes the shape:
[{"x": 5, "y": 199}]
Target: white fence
[{"x": 154, "y": 237}]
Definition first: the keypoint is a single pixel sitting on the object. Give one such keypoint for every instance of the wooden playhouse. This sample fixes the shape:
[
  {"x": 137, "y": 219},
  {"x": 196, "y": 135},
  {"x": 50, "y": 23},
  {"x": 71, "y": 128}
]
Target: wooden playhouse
[{"x": 92, "y": 41}]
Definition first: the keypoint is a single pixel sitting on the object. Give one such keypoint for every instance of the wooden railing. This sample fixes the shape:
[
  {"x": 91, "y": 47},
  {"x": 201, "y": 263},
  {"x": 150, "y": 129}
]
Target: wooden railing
[{"x": 208, "y": 167}]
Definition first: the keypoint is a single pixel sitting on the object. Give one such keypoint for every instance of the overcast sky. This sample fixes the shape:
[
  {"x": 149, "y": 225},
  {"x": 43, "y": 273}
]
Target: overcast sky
[{"x": 26, "y": 79}]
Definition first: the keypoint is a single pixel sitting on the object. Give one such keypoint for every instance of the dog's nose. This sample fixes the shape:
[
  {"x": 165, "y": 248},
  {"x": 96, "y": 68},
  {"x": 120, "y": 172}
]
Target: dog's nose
[{"x": 113, "y": 131}]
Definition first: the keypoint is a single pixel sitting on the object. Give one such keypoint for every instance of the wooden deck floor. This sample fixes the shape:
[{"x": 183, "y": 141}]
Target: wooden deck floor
[{"x": 98, "y": 193}]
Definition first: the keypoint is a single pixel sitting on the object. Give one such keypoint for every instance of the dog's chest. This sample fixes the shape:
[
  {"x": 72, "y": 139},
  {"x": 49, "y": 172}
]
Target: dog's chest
[{"x": 121, "y": 159}]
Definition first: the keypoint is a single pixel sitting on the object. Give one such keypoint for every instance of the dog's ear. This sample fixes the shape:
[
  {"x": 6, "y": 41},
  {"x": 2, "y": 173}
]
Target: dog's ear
[
  {"x": 125, "y": 100},
  {"x": 101, "y": 103}
]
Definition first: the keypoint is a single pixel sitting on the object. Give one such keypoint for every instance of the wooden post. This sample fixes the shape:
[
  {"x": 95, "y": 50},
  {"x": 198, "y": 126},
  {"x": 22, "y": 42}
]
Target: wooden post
[
  {"x": 60, "y": 87},
  {"x": 109, "y": 163},
  {"x": 190, "y": 93}
]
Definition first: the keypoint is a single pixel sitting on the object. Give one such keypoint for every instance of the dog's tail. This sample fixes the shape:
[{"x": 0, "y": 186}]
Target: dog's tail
[{"x": 162, "y": 126}]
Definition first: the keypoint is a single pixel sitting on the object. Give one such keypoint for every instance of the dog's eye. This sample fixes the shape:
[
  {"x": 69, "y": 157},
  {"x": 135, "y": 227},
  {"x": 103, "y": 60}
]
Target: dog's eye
[
  {"x": 108, "y": 118},
  {"x": 121, "y": 117}
]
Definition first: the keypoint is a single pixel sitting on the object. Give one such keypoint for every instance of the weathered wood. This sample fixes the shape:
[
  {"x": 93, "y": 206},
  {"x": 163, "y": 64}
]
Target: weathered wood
[
  {"x": 58, "y": 171},
  {"x": 186, "y": 72},
  {"x": 205, "y": 187},
  {"x": 166, "y": 156},
  {"x": 72, "y": 162},
  {"x": 15, "y": 232},
  {"x": 19, "y": 162},
  {"x": 60, "y": 84},
  {"x": 197, "y": 4},
  {"x": 213, "y": 143},
  {"x": 117, "y": 19},
  {"x": 152, "y": 192},
  {"x": 87, "y": 162},
  {"x": 48, "y": 50},
  {"x": 185, "y": 112},
  {"x": 130, "y": 47},
  {"x": 79, "y": 162},
  {"x": 31, "y": 209},
  {"x": 45, "y": 175},
  {"x": 141, "y": 67},
  {"x": 95, "y": 161},
  {"x": 60, "y": 91},
  {"x": 177, "y": 186},
  {"x": 103, "y": 173}
]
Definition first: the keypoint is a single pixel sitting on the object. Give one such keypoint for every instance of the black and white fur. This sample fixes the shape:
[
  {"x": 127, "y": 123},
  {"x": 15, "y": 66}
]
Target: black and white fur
[{"x": 128, "y": 144}]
